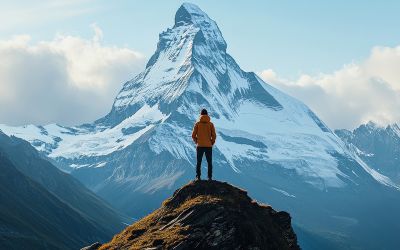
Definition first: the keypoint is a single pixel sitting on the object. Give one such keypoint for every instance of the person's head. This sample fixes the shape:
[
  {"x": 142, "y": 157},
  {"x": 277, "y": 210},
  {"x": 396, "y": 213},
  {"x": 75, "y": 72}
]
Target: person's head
[{"x": 204, "y": 112}]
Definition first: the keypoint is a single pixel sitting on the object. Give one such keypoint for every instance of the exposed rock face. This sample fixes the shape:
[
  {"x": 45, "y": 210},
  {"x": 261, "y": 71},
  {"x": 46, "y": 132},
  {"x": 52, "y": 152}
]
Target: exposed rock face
[{"x": 209, "y": 215}]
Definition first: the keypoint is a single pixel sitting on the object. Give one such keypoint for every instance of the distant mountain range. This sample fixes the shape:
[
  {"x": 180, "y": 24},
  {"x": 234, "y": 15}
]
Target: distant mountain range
[
  {"x": 379, "y": 146},
  {"x": 268, "y": 143},
  {"x": 44, "y": 208}
]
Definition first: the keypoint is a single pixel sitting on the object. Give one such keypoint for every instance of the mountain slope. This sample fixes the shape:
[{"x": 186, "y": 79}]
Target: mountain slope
[
  {"x": 33, "y": 218},
  {"x": 378, "y": 146},
  {"x": 268, "y": 142},
  {"x": 209, "y": 215},
  {"x": 62, "y": 189},
  {"x": 28, "y": 161}
]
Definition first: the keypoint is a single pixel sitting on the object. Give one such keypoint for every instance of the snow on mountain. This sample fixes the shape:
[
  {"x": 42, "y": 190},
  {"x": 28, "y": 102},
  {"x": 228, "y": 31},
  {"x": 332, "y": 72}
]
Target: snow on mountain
[
  {"x": 58, "y": 141},
  {"x": 378, "y": 146},
  {"x": 268, "y": 142},
  {"x": 190, "y": 70}
]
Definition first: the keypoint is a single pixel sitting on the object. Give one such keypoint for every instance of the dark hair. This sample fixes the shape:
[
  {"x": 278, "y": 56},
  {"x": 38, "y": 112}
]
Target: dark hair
[{"x": 204, "y": 112}]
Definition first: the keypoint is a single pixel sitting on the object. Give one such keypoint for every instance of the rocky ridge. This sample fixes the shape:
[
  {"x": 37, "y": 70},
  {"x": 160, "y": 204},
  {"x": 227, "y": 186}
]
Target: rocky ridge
[{"x": 209, "y": 215}]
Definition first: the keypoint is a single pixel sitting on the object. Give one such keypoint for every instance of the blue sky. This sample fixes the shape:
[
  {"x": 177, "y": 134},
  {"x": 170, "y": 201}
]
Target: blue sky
[
  {"x": 292, "y": 37},
  {"x": 341, "y": 58}
]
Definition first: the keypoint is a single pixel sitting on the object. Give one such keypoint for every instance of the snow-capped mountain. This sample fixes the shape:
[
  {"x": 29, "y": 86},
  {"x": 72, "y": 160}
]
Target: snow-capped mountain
[
  {"x": 379, "y": 146},
  {"x": 267, "y": 141},
  {"x": 191, "y": 70}
]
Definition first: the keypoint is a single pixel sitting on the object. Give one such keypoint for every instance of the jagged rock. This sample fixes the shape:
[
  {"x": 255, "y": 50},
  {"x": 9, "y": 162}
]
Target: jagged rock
[{"x": 209, "y": 215}]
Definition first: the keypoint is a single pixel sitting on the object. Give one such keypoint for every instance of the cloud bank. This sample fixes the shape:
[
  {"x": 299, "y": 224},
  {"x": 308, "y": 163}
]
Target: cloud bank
[
  {"x": 72, "y": 80},
  {"x": 69, "y": 80},
  {"x": 355, "y": 94}
]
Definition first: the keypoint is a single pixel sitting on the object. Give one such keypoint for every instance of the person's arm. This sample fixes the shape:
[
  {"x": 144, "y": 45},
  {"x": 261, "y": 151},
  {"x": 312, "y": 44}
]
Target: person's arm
[
  {"x": 213, "y": 134},
  {"x": 194, "y": 133}
]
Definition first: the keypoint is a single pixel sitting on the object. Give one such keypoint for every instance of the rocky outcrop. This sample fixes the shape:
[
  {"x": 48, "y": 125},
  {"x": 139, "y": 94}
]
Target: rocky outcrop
[{"x": 209, "y": 215}]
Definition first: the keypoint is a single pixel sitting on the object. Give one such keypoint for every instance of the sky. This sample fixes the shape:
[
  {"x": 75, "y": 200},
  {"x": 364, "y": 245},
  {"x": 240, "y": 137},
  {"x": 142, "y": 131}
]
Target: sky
[{"x": 339, "y": 57}]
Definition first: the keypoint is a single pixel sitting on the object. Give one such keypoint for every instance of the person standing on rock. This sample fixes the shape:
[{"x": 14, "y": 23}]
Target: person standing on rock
[{"x": 204, "y": 136}]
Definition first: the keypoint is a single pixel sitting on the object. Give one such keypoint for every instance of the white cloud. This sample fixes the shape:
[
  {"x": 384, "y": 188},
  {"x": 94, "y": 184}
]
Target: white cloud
[
  {"x": 355, "y": 94},
  {"x": 68, "y": 80}
]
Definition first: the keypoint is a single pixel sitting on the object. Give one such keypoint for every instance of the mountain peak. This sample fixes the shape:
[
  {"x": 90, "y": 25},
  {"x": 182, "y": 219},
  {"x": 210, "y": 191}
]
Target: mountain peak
[
  {"x": 209, "y": 215},
  {"x": 190, "y": 13},
  {"x": 375, "y": 126}
]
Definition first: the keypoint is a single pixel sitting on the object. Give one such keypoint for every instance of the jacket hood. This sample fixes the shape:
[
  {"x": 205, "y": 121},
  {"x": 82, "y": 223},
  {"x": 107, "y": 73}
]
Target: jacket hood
[{"x": 204, "y": 118}]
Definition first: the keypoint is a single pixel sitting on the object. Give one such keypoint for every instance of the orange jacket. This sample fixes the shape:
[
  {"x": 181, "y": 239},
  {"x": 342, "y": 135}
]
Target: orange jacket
[{"x": 204, "y": 132}]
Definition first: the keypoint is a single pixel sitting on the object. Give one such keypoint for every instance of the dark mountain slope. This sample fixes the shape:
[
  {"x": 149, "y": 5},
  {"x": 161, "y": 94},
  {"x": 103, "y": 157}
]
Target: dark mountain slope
[
  {"x": 33, "y": 218},
  {"x": 66, "y": 188}
]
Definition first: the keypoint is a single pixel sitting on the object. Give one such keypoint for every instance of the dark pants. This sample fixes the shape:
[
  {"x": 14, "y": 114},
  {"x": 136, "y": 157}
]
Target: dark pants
[{"x": 200, "y": 153}]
